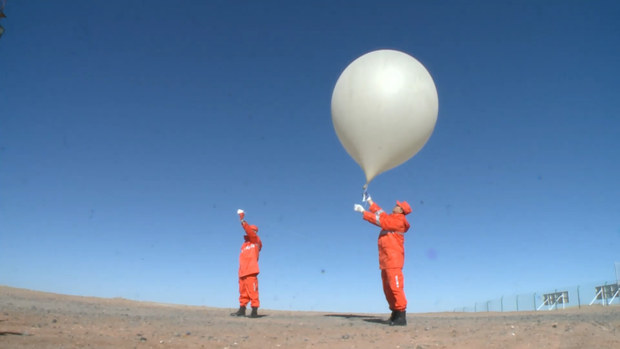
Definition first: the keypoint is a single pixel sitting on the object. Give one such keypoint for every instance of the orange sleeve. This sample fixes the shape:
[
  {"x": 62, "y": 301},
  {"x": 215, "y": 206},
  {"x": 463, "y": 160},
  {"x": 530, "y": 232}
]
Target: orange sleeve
[
  {"x": 371, "y": 214},
  {"x": 252, "y": 236},
  {"x": 374, "y": 207}
]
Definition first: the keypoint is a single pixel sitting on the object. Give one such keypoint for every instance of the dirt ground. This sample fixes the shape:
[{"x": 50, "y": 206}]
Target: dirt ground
[{"x": 30, "y": 319}]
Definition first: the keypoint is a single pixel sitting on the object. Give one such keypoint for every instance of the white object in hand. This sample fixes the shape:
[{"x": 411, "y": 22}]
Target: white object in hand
[
  {"x": 358, "y": 208},
  {"x": 366, "y": 197}
]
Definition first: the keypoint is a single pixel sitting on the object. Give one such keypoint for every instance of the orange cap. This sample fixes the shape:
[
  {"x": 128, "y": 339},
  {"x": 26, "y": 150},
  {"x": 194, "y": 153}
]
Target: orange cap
[
  {"x": 404, "y": 205},
  {"x": 253, "y": 227}
]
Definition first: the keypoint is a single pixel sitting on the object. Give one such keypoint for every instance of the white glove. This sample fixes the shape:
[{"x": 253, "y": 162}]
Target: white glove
[
  {"x": 239, "y": 211},
  {"x": 358, "y": 208}
]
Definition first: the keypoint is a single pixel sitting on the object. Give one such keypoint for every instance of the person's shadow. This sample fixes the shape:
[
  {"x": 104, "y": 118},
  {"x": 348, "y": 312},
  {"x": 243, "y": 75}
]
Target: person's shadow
[
  {"x": 367, "y": 318},
  {"x": 257, "y": 316}
]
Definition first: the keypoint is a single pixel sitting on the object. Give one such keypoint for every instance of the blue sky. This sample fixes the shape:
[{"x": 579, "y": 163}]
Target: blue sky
[{"x": 132, "y": 131}]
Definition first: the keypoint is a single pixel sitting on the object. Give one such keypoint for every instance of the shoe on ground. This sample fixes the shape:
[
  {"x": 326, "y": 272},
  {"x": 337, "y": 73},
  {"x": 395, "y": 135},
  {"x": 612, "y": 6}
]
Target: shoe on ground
[
  {"x": 240, "y": 312},
  {"x": 400, "y": 319}
]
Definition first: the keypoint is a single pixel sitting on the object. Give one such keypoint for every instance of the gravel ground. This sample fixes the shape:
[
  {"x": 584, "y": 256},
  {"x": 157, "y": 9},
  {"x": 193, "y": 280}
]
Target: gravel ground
[{"x": 30, "y": 319}]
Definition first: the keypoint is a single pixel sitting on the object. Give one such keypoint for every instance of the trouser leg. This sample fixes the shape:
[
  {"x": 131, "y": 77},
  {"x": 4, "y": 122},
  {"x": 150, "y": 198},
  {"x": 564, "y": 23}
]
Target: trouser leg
[
  {"x": 394, "y": 288},
  {"x": 389, "y": 296},
  {"x": 252, "y": 288},
  {"x": 244, "y": 296}
]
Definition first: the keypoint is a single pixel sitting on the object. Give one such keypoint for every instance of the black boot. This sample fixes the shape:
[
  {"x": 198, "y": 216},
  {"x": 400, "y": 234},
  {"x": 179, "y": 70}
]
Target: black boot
[
  {"x": 240, "y": 312},
  {"x": 393, "y": 316},
  {"x": 254, "y": 313},
  {"x": 400, "y": 319}
]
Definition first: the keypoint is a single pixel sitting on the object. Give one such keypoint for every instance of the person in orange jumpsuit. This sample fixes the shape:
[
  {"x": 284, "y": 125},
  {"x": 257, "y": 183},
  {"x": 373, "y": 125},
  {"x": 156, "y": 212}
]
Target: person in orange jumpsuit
[
  {"x": 391, "y": 244},
  {"x": 248, "y": 268}
]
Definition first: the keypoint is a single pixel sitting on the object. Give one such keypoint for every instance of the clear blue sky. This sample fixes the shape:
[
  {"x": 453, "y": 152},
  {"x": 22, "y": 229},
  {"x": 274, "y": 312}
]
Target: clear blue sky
[{"x": 132, "y": 131}]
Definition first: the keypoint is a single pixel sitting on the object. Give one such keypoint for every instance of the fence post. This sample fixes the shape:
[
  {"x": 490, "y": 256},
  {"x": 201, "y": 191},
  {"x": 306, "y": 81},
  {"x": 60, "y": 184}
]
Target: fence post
[{"x": 517, "y": 302}]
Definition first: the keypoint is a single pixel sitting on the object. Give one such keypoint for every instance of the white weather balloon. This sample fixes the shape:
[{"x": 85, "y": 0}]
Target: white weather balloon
[{"x": 384, "y": 109}]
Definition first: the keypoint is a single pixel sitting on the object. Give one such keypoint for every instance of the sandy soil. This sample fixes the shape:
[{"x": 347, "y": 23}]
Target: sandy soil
[{"x": 30, "y": 319}]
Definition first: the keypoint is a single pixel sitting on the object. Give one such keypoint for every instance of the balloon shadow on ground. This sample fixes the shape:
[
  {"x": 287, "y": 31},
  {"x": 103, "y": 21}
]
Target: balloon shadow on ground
[{"x": 367, "y": 318}]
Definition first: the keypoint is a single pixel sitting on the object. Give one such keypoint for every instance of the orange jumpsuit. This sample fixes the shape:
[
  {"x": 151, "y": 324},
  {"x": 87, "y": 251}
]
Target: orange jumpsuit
[
  {"x": 248, "y": 267},
  {"x": 391, "y": 244}
]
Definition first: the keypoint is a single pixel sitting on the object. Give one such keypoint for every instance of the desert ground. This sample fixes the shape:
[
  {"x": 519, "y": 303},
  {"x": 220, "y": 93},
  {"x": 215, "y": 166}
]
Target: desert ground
[{"x": 31, "y": 319}]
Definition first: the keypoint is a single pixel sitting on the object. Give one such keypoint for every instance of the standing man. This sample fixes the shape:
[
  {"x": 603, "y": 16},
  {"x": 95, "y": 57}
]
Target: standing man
[
  {"x": 248, "y": 268},
  {"x": 391, "y": 253}
]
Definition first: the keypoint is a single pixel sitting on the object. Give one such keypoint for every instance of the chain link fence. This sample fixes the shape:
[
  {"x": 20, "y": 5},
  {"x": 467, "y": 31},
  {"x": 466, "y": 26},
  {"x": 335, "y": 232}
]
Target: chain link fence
[{"x": 607, "y": 293}]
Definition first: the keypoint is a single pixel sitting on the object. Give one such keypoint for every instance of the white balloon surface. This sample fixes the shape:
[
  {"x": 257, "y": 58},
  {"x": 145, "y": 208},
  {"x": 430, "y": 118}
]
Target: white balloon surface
[{"x": 384, "y": 109}]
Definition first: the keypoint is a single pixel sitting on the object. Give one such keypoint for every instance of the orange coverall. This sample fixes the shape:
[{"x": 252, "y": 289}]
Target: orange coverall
[
  {"x": 248, "y": 267},
  {"x": 391, "y": 244}
]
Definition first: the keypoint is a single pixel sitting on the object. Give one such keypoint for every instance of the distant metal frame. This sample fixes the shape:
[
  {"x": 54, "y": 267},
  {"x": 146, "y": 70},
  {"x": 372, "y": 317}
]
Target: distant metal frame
[
  {"x": 552, "y": 300},
  {"x": 605, "y": 292}
]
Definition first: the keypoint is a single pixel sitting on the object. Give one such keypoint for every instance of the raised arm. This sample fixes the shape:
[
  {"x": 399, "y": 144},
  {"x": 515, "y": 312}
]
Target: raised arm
[
  {"x": 390, "y": 222},
  {"x": 250, "y": 230}
]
